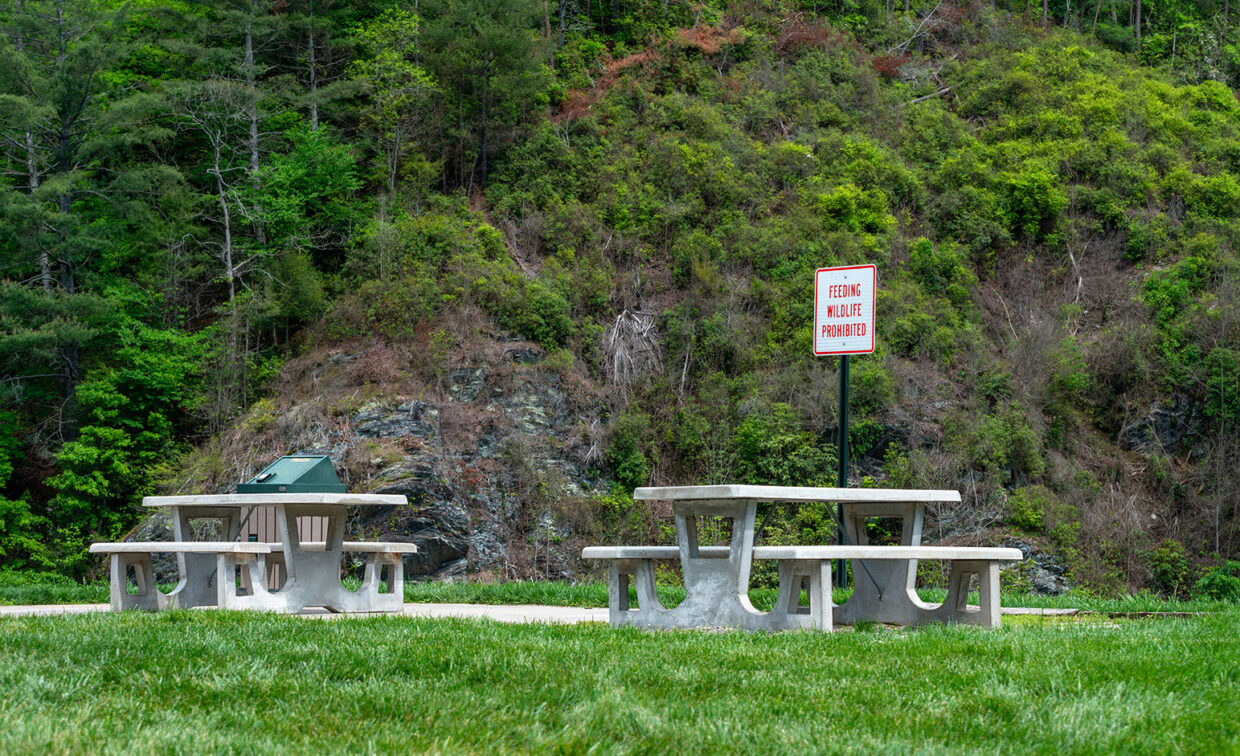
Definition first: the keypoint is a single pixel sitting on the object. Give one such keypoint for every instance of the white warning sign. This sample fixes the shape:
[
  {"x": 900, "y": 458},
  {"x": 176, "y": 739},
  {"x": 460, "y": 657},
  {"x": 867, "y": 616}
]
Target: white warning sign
[{"x": 844, "y": 309}]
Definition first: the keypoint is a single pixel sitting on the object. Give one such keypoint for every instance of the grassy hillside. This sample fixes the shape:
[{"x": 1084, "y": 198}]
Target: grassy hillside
[
  {"x": 645, "y": 193},
  {"x": 1054, "y": 227}
]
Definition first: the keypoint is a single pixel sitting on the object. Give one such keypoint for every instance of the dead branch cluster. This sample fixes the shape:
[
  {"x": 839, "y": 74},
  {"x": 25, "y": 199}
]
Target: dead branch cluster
[{"x": 631, "y": 347}]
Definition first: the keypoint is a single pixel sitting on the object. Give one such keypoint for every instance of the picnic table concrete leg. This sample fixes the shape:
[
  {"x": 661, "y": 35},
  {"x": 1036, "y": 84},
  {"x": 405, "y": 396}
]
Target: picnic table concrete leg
[
  {"x": 369, "y": 599},
  {"x": 642, "y": 573},
  {"x": 955, "y": 608},
  {"x": 647, "y": 595},
  {"x": 988, "y": 588},
  {"x": 815, "y": 577},
  {"x": 618, "y": 593},
  {"x": 717, "y": 587},
  {"x": 820, "y": 608},
  {"x": 788, "y": 599},
  {"x": 148, "y": 595},
  {"x": 253, "y": 594}
]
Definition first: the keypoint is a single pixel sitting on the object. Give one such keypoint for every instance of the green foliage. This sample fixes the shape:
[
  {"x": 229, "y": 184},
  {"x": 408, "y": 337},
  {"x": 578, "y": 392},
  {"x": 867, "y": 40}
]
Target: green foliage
[
  {"x": 1034, "y": 201},
  {"x": 21, "y": 530},
  {"x": 307, "y": 196},
  {"x": 1169, "y": 567},
  {"x": 1026, "y": 507},
  {"x": 626, "y": 453},
  {"x": 847, "y": 207},
  {"x": 400, "y": 89},
  {"x": 871, "y": 388},
  {"x": 1070, "y": 382},
  {"x": 1001, "y": 443},
  {"x": 1221, "y": 583},
  {"x": 1222, "y": 369},
  {"x": 668, "y": 161},
  {"x": 772, "y": 450},
  {"x": 621, "y": 520},
  {"x": 919, "y": 325},
  {"x": 133, "y": 410},
  {"x": 941, "y": 270}
]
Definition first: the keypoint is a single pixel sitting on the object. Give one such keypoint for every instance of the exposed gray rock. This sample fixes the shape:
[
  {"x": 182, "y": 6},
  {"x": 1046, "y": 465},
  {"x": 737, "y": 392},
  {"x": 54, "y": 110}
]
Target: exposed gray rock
[
  {"x": 451, "y": 572},
  {"x": 538, "y": 407},
  {"x": 1166, "y": 428},
  {"x": 1045, "y": 572},
  {"x": 489, "y": 549},
  {"x": 527, "y": 356},
  {"x": 436, "y": 525},
  {"x": 418, "y": 480},
  {"x": 466, "y": 384},
  {"x": 413, "y": 418}
]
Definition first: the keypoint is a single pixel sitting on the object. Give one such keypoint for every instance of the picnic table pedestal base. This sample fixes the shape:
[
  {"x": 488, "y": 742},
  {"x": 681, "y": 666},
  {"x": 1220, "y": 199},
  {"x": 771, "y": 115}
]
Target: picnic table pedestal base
[
  {"x": 887, "y": 593},
  {"x": 200, "y": 576},
  {"x": 716, "y": 580}
]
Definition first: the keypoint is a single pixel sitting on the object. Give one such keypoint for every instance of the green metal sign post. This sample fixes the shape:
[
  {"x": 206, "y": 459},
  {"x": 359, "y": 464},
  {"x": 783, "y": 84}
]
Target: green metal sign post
[
  {"x": 841, "y": 573},
  {"x": 844, "y": 304}
]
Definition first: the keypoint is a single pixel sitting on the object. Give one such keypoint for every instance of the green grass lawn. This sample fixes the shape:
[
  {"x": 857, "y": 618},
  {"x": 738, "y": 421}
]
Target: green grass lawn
[{"x": 192, "y": 681}]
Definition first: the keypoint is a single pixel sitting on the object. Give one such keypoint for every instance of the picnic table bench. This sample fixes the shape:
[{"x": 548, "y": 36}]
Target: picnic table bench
[
  {"x": 137, "y": 554},
  {"x": 717, "y": 577}
]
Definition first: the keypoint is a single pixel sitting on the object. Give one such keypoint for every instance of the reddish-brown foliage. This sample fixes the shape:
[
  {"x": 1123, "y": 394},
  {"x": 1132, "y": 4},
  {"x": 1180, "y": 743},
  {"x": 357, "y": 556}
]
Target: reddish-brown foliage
[
  {"x": 889, "y": 65},
  {"x": 579, "y": 101},
  {"x": 799, "y": 32},
  {"x": 709, "y": 39}
]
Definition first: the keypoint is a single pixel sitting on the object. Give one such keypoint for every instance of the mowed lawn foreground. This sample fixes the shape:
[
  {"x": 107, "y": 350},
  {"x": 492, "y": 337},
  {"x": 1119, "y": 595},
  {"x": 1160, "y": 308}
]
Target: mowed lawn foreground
[{"x": 193, "y": 681}]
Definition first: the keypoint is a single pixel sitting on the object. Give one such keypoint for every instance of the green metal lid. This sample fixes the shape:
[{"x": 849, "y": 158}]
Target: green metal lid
[{"x": 295, "y": 474}]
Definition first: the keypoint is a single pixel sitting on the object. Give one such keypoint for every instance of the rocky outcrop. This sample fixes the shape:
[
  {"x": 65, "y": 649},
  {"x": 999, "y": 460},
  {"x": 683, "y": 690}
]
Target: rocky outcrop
[
  {"x": 469, "y": 493},
  {"x": 1044, "y": 572},
  {"x": 1167, "y": 428}
]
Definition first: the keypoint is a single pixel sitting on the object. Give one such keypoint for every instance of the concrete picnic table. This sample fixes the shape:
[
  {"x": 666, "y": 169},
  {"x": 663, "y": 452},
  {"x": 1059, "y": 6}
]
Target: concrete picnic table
[
  {"x": 717, "y": 578},
  {"x": 312, "y": 569}
]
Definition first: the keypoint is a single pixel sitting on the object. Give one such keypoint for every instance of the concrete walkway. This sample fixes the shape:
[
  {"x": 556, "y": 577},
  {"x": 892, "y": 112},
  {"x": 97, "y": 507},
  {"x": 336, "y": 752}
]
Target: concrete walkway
[
  {"x": 498, "y": 612},
  {"x": 560, "y": 615}
]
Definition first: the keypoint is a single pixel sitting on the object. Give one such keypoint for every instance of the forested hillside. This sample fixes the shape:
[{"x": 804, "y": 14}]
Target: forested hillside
[{"x": 206, "y": 205}]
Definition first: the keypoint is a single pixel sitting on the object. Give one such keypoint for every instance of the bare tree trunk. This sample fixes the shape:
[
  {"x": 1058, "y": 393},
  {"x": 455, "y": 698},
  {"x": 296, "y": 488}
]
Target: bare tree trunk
[
  {"x": 486, "y": 92},
  {"x": 1045, "y": 12},
  {"x": 1097, "y": 9},
  {"x": 393, "y": 161},
  {"x": 222, "y": 192},
  {"x": 1138, "y": 26},
  {"x": 314, "y": 98},
  {"x": 560, "y": 42},
  {"x": 250, "y": 80}
]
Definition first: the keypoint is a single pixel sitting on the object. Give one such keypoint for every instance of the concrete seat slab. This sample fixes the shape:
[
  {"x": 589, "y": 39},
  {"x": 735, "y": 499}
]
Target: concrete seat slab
[{"x": 189, "y": 547}]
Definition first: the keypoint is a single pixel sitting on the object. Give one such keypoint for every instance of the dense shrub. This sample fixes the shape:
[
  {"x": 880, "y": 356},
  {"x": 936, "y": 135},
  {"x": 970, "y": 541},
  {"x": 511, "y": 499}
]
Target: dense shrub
[
  {"x": 772, "y": 450},
  {"x": 1221, "y": 583}
]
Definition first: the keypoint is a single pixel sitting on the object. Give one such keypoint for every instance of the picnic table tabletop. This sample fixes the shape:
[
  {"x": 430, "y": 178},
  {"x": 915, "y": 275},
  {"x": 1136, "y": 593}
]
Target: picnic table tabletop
[
  {"x": 794, "y": 494},
  {"x": 250, "y": 500}
]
